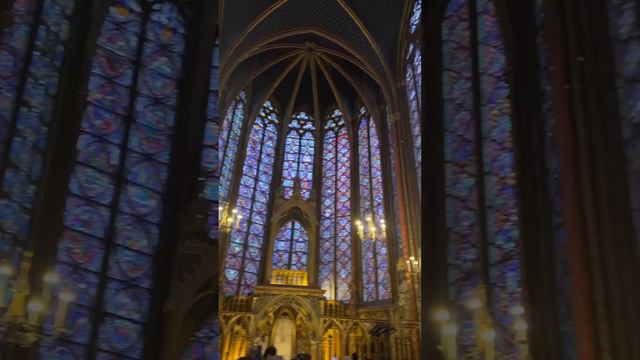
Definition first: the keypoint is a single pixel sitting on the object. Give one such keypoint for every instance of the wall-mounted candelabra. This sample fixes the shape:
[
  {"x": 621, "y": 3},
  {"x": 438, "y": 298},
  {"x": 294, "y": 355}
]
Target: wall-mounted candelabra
[
  {"x": 228, "y": 219},
  {"x": 23, "y": 313},
  {"x": 413, "y": 265},
  {"x": 448, "y": 334},
  {"x": 485, "y": 333},
  {"x": 372, "y": 229}
]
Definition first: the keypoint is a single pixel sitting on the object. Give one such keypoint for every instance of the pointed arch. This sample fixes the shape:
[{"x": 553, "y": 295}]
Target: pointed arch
[
  {"x": 299, "y": 154},
  {"x": 291, "y": 247},
  {"x": 229, "y": 140},
  {"x": 244, "y": 253}
]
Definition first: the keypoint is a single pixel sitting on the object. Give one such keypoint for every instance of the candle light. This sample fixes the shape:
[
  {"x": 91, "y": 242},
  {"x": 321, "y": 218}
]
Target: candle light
[
  {"x": 517, "y": 310},
  {"x": 520, "y": 328},
  {"x": 34, "y": 308},
  {"x": 65, "y": 298},
  {"x": 360, "y": 229},
  {"x": 238, "y": 218},
  {"x": 6, "y": 271},
  {"x": 488, "y": 337},
  {"x": 372, "y": 228},
  {"x": 449, "y": 341},
  {"x": 441, "y": 315},
  {"x": 49, "y": 280},
  {"x": 474, "y": 304}
]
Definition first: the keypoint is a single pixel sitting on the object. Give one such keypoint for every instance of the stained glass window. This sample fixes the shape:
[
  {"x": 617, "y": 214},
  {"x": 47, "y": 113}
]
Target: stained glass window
[
  {"x": 298, "y": 155},
  {"x": 245, "y": 243},
  {"x": 624, "y": 27},
  {"x": 375, "y": 251},
  {"x": 231, "y": 128},
  {"x": 336, "y": 261},
  {"x": 290, "y": 248},
  {"x": 210, "y": 161},
  {"x": 413, "y": 79},
  {"x": 32, "y": 52},
  {"x": 466, "y": 138},
  {"x": 563, "y": 285},
  {"x": 204, "y": 343},
  {"x": 114, "y": 202}
]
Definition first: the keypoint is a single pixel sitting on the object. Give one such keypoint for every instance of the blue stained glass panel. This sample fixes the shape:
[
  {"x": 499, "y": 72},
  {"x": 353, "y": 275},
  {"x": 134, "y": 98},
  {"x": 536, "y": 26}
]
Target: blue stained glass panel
[
  {"x": 413, "y": 80},
  {"x": 32, "y": 52},
  {"x": 204, "y": 343},
  {"x": 291, "y": 247},
  {"x": 241, "y": 272},
  {"x": 336, "y": 261},
  {"x": 228, "y": 143},
  {"x": 299, "y": 150},
  {"x": 375, "y": 259},
  {"x": 116, "y": 188}
]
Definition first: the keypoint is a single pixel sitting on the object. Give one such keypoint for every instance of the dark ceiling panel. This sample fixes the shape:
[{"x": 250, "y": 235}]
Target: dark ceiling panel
[
  {"x": 238, "y": 14},
  {"x": 383, "y": 20},
  {"x": 327, "y": 15}
]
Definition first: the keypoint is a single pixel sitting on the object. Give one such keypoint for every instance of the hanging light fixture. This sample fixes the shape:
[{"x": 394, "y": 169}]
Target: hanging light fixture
[
  {"x": 372, "y": 230},
  {"x": 228, "y": 220}
]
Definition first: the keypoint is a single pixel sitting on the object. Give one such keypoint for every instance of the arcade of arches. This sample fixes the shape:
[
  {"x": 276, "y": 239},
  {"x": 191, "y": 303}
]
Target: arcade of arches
[{"x": 320, "y": 138}]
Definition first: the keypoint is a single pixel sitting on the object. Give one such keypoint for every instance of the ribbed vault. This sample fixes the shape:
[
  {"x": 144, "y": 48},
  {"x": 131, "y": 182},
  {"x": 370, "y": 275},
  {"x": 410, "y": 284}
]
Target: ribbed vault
[{"x": 348, "y": 47}]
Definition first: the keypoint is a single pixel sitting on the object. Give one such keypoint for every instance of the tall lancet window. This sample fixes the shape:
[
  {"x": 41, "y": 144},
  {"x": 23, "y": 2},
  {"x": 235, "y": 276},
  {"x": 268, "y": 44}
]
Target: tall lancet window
[
  {"x": 413, "y": 79},
  {"x": 624, "y": 27},
  {"x": 32, "y": 54},
  {"x": 482, "y": 215},
  {"x": 376, "y": 281},
  {"x": 291, "y": 247},
  {"x": 210, "y": 160},
  {"x": 245, "y": 243},
  {"x": 228, "y": 144},
  {"x": 298, "y": 155},
  {"x": 336, "y": 259},
  {"x": 114, "y": 203}
]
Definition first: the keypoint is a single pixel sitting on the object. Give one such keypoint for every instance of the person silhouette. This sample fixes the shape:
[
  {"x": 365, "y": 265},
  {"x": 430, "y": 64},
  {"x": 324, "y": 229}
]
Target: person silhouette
[{"x": 271, "y": 354}]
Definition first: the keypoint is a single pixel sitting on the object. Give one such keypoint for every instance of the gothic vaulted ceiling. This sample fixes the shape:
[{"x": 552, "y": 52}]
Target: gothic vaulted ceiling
[{"x": 337, "y": 49}]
